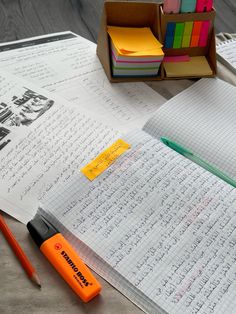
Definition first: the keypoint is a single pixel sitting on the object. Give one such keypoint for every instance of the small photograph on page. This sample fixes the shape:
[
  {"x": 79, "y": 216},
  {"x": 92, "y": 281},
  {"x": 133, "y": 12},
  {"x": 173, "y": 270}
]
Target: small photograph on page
[
  {"x": 24, "y": 108},
  {"x": 4, "y": 132}
]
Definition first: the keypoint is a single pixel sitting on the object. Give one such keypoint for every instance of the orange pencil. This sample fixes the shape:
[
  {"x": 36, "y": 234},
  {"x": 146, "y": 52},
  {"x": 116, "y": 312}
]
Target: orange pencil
[{"x": 19, "y": 252}]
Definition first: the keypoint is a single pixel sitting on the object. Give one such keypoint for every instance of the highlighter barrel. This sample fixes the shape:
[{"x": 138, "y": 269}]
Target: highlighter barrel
[
  {"x": 64, "y": 258},
  {"x": 204, "y": 5},
  {"x": 171, "y": 6}
]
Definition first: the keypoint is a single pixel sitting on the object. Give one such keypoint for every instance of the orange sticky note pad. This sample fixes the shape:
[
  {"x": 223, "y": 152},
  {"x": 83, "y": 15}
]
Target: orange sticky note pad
[{"x": 134, "y": 41}]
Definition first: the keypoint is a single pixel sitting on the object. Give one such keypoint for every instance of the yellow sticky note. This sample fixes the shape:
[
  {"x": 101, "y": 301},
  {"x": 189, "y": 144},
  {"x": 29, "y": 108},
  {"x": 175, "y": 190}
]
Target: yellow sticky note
[
  {"x": 131, "y": 39},
  {"x": 105, "y": 159},
  {"x": 197, "y": 66}
]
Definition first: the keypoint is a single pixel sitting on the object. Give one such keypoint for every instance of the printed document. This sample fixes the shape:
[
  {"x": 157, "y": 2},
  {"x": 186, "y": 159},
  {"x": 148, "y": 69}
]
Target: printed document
[
  {"x": 67, "y": 64},
  {"x": 43, "y": 140}
]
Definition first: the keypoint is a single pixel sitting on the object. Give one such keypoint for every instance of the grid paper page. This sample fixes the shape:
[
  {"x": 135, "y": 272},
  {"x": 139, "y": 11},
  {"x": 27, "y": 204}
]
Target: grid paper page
[
  {"x": 202, "y": 119},
  {"x": 104, "y": 269},
  {"x": 226, "y": 53},
  {"x": 165, "y": 225}
]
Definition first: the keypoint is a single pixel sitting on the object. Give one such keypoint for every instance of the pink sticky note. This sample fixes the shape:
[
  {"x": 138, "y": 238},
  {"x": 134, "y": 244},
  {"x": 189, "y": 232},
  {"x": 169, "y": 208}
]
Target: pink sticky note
[
  {"x": 183, "y": 58},
  {"x": 204, "y": 33}
]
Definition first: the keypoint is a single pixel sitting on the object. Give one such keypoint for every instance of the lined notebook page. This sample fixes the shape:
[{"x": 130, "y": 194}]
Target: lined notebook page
[
  {"x": 226, "y": 53},
  {"x": 160, "y": 228},
  {"x": 202, "y": 119}
]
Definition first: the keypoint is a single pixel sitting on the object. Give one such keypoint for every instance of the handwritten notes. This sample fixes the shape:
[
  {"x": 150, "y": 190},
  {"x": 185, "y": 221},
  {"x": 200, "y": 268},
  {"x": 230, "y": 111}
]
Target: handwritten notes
[{"x": 163, "y": 223}]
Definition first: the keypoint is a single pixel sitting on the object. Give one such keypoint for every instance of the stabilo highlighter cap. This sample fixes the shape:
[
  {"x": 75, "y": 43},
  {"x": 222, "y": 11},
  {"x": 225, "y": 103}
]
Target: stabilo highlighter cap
[
  {"x": 64, "y": 258},
  {"x": 41, "y": 230}
]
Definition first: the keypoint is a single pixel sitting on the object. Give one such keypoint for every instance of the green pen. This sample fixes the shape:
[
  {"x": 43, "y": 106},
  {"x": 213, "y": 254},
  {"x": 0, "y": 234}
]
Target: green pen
[{"x": 188, "y": 154}]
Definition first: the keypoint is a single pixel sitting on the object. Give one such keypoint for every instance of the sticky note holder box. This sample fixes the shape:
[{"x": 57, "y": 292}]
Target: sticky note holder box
[
  {"x": 209, "y": 51},
  {"x": 148, "y": 14},
  {"x": 125, "y": 14}
]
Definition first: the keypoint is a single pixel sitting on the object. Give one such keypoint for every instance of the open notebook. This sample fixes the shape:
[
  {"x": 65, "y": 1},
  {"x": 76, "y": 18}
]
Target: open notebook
[
  {"x": 226, "y": 53},
  {"x": 158, "y": 227}
]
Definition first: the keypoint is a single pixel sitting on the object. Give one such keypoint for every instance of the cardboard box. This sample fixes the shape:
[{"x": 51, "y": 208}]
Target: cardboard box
[
  {"x": 209, "y": 51},
  {"x": 145, "y": 14}
]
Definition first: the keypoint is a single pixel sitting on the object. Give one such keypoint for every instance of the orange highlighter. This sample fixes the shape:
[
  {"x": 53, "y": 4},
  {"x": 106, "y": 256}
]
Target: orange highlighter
[{"x": 63, "y": 257}]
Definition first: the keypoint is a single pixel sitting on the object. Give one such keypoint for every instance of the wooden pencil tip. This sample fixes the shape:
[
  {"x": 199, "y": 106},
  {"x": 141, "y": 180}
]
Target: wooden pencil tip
[{"x": 35, "y": 278}]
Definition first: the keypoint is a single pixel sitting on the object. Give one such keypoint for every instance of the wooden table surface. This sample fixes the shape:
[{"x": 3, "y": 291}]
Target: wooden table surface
[
  {"x": 26, "y": 18},
  {"x": 19, "y": 295}
]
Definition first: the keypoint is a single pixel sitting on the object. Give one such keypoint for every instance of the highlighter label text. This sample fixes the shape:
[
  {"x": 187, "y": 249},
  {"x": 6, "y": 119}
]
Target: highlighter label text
[{"x": 73, "y": 266}]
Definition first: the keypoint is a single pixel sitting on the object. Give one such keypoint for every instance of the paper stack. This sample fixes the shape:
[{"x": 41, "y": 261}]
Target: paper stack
[{"x": 134, "y": 52}]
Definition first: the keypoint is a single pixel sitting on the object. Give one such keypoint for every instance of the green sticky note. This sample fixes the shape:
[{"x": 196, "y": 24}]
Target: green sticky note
[
  {"x": 179, "y": 29},
  {"x": 188, "y": 26}
]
